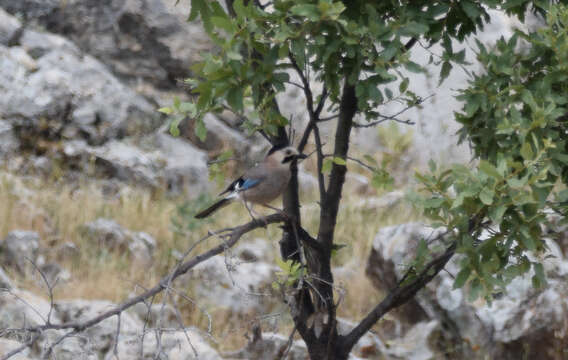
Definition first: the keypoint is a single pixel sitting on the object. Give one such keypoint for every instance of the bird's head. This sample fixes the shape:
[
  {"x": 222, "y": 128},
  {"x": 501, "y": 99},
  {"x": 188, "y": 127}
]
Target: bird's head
[{"x": 284, "y": 154}]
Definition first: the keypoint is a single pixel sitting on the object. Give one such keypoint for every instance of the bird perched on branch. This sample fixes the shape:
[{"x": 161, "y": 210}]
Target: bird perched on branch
[{"x": 261, "y": 184}]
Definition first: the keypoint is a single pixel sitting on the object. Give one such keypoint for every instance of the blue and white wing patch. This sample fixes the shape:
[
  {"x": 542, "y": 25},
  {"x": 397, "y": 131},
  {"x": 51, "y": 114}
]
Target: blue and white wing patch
[
  {"x": 239, "y": 185},
  {"x": 246, "y": 184}
]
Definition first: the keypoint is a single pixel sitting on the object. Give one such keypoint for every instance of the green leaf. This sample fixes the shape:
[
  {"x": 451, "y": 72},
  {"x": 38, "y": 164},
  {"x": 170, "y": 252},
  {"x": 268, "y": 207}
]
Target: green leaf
[
  {"x": 471, "y": 10},
  {"x": 166, "y": 110},
  {"x": 188, "y": 108},
  {"x": 224, "y": 23},
  {"x": 539, "y": 279},
  {"x": 200, "y": 129},
  {"x": 433, "y": 203},
  {"x": 562, "y": 196},
  {"x": 488, "y": 168},
  {"x": 307, "y": 10},
  {"x": 445, "y": 71},
  {"x": 526, "y": 151},
  {"x": 370, "y": 159},
  {"x": 475, "y": 290},
  {"x": 326, "y": 166},
  {"x": 462, "y": 277},
  {"x": 403, "y": 85},
  {"x": 235, "y": 99},
  {"x": 496, "y": 213},
  {"x": 339, "y": 161},
  {"x": 174, "y": 124},
  {"x": 486, "y": 196},
  {"x": 414, "y": 67},
  {"x": 432, "y": 165}
]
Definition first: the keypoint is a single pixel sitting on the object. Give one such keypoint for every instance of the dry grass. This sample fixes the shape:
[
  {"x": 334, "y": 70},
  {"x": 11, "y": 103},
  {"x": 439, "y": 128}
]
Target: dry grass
[{"x": 57, "y": 213}]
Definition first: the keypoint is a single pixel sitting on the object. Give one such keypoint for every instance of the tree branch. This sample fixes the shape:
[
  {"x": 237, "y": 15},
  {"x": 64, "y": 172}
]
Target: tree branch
[
  {"x": 403, "y": 292},
  {"x": 394, "y": 117},
  {"x": 230, "y": 237}
]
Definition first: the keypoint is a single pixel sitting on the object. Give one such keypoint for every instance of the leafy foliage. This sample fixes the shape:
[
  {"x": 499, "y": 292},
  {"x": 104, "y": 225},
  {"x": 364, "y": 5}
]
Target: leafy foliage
[
  {"x": 515, "y": 118},
  {"x": 363, "y": 42}
]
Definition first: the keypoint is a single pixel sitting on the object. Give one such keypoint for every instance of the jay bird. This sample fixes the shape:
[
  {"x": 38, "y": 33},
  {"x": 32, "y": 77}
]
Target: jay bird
[{"x": 261, "y": 184}]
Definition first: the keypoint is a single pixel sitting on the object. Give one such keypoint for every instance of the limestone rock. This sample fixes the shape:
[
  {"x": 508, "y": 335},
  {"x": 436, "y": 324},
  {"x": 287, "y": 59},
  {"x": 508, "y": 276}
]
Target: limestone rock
[
  {"x": 19, "y": 248},
  {"x": 10, "y": 28},
  {"x": 154, "y": 313},
  {"x": 174, "y": 346},
  {"x": 63, "y": 94},
  {"x": 18, "y": 307},
  {"x": 230, "y": 283},
  {"x": 5, "y": 281},
  {"x": 108, "y": 233},
  {"x": 269, "y": 346},
  {"x": 254, "y": 250},
  {"x": 156, "y": 161},
  {"x": 102, "y": 335},
  {"x": 138, "y": 39},
  {"x": 7, "y": 345},
  {"x": 523, "y": 322}
]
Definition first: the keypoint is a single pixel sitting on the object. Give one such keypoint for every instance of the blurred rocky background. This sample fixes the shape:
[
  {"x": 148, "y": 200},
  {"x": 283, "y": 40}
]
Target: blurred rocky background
[{"x": 96, "y": 197}]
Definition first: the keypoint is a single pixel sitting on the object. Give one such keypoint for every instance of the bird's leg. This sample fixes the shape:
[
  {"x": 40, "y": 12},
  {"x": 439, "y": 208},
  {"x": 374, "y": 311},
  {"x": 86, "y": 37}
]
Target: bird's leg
[
  {"x": 249, "y": 210},
  {"x": 273, "y": 208}
]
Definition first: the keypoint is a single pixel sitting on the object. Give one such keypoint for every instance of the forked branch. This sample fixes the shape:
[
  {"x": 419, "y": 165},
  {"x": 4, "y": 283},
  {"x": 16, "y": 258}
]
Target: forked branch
[{"x": 230, "y": 237}]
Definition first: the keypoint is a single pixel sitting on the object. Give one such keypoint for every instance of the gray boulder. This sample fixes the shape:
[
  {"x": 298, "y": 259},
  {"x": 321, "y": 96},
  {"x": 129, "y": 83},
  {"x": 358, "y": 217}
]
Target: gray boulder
[
  {"x": 5, "y": 281},
  {"x": 269, "y": 346},
  {"x": 19, "y": 249},
  {"x": 111, "y": 235},
  {"x": 157, "y": 161},
  {"x": 53, "y": 92},
  {"x": 102, "y": 335},
  {"x": 138, "y": 39},
  {"x": 154, "y": 314},
  {"x": 523, "y": 322},
  {"x": 176, "y": 344},
  {"x": 10, "y": 28},
  {"x": 20, "y": 308},
  {"x": 230, "y": 283},
  {"x": 7, "y": 345}
]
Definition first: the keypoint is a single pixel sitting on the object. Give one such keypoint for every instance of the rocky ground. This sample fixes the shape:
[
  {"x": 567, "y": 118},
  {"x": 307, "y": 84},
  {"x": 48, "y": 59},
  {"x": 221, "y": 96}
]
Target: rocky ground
[{"x": 94, "y": 199}]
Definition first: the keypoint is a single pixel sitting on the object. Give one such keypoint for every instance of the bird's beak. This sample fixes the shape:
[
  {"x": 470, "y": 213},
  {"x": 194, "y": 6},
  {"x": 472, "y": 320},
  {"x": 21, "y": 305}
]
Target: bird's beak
[{"x": 301, "y": 156}]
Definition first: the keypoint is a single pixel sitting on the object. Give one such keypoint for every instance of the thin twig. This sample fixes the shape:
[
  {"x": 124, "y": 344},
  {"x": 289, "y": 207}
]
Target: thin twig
[
  {"x": 394, "y": 117},
  {"x": 329, "y": 118},
  {"x": 233, "y": 236}
]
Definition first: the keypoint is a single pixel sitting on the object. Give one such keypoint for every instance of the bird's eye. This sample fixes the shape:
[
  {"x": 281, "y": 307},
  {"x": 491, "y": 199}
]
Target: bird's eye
[{"x": 288, "y": 152}]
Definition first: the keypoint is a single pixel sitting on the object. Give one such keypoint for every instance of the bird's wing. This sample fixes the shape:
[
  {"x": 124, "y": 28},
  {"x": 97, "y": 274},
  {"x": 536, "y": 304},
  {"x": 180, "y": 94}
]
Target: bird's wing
[{"x": 252, "y": 178}]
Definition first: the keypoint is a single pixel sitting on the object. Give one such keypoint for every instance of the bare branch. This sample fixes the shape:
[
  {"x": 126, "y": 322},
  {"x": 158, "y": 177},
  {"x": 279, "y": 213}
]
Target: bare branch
[
  {"x": 319, "y": 150},
  {"x": 295, "y": 84},
  {"x": 394, "y": 117},
  {"x": 389, "y": 118},
  {"x": 24, "y": 346},
  {"x": 404, "y": 291},
  {"x": 329, "y": 118},
  {"x": 231, "y": 236}
]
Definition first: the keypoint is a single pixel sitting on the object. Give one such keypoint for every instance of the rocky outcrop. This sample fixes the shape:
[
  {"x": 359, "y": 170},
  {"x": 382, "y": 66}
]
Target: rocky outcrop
[
  {"x": 270, "y": 346},
  {"x": 98, "y": 341},
  {"x": 233, "y": 284},
  {"x": 53, "y": 92},
  {"x": 5, "y": 281},
  {"x": 137, "y": 39},
  {"x": 109, "y": 234},
  {"x": 187, "y": 344},
  {"x": 19, "y": 249},
  {"x": 7, "y": 345},
  {"x": 522, "y": 322},
  {"x": 64, "y": 105}
]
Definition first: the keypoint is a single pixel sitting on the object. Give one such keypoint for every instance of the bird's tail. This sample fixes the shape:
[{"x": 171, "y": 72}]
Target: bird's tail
[{"x": 211, "y": 209}]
